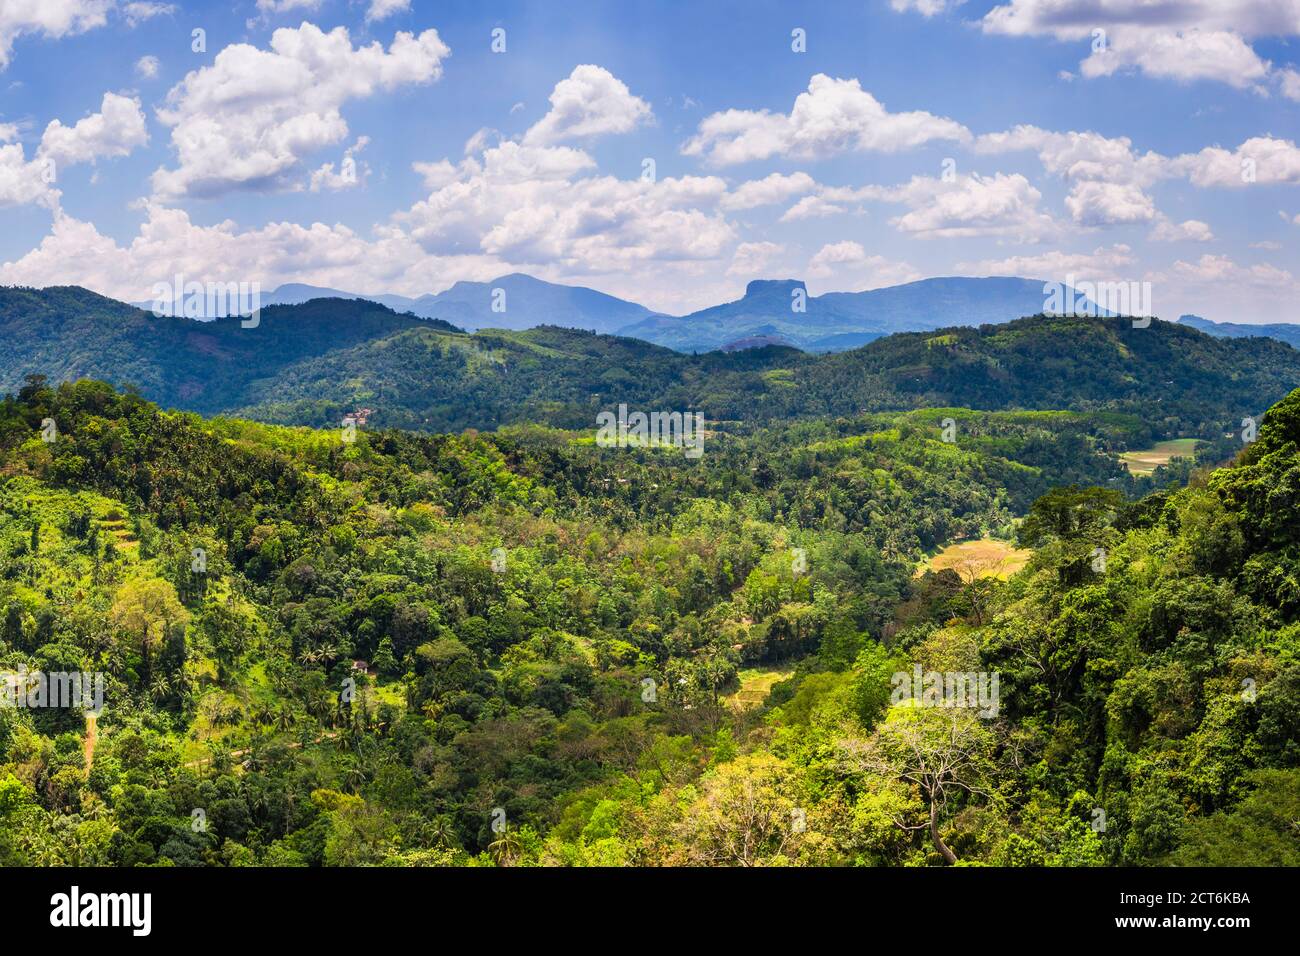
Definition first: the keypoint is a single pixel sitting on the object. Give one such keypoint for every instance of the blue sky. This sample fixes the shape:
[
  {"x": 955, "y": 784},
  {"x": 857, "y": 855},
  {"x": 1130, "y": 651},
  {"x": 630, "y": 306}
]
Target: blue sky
[{"x": 382, "y": 145}]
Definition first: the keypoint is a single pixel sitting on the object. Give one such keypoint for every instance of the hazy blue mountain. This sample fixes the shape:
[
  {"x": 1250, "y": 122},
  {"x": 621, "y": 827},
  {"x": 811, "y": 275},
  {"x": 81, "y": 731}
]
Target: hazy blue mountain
[
  {"x": 296, "y": 293},
  {"x": 527, "y": 301},
  {"x": 1282, "y": 331},
  {"x": 843, "y": 320},
  {"x": 530, "y": 302},
  {"x": 766, "y": 314}
]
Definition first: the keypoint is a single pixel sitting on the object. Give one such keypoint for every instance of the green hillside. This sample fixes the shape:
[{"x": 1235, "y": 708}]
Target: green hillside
[{"x": 393, "y": 643}]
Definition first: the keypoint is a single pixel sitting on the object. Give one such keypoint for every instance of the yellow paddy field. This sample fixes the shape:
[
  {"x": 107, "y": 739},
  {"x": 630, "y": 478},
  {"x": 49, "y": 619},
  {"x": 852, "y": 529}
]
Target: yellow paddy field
[
  {"x": 1147, "y": 460},
  {"x": 981, "y": 558}
]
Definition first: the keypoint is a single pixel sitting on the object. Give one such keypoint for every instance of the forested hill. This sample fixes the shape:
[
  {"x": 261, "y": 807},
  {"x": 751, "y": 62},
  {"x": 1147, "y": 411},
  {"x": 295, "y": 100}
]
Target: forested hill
[
  {"x": 425, "y": 379},
  {"x": 316, "y": 362},
  {"x": 497, "y": 608},
  {"x": 66, "y": 333}
]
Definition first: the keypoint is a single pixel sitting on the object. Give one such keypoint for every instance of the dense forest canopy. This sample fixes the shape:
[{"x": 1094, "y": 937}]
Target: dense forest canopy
[{"x": 520, "y": 648}]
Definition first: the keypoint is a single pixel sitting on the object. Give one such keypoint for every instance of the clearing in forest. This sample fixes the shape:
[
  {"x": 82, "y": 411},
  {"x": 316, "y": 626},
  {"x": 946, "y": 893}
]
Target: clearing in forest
[
  {"x": 981, "y": 558},
  {"x": 1147, "y": 460},
  {"x": 755, "y": 684}
]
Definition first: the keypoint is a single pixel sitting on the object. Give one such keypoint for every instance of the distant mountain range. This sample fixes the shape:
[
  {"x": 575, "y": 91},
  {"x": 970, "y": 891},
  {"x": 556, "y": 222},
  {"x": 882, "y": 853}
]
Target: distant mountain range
[
  {"x": 782, "y": 310},
  {"x": 313, "y": 363},
  {"x": 771, "y": 311},
  {"x": 1282, "y": 331},
  {"x": 514, "y": 301}
]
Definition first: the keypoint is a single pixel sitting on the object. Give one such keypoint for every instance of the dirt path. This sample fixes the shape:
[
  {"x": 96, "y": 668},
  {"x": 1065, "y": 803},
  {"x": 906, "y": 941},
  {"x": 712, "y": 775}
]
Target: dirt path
[{"x": 92, "y": 738}]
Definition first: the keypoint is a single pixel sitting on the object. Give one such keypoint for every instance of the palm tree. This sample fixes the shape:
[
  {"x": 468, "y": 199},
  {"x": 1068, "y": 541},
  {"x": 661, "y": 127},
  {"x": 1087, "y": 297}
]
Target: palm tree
[{"x": 506, "y": 848}]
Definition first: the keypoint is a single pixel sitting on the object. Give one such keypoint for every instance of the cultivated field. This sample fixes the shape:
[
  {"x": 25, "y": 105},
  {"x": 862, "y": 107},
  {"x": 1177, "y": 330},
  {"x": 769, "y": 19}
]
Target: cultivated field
[
  {"x": 1147, "y": 460},
  {"x": 982, "y": 558}
]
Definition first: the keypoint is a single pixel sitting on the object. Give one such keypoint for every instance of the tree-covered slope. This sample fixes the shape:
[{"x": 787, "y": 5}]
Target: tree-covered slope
[
  {"x": 394, "y": 642},
  {"x": 315, "y": 362},
  {"x": 1186, "y": 382},
  {"x": 66, "y": 333}
]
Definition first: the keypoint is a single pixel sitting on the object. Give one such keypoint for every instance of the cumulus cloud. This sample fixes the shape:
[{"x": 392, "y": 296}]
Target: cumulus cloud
[
  {"x": 997, "y": 205},
  {"x": 270, "y": 7},
  {"x": 147, "y": 67},
  {"x": 1111, "y": 263},
  {"x": 1289, "y": 82},
  {"x": 24, "y": 182},
  {"x": 771, "y": 189},
  {"x": 250, "y": 119},
  {"x": 116, "y": 130},
  {"x": 169, "y": 243},
  {"x": 350, "y": 172},
  {"x": 1191, "y": 230},
  {"x": 528, "y": 204},
  {"x": 926, "y": 8},
  {"x": 833, "y": 116},
  {"x": 1093, "y": 203},
  {"x": 1000, "y": 205},
  {"x": 141, "y": 10},
  {"x": 1261, "y": 159},
  {"x": 383, "y": 9},
  {"x": 852, "y": 269},
  {"x": 1178, "y": 41},
  {"x": 752, "y": 259},
  {"x": 590, "y": 102},
  {"x": 814, "y": 207},
  {"x": 1222, "y": 269},
  {"x": 48, "y": 18},
  {"x": 1109, "y": 178}
]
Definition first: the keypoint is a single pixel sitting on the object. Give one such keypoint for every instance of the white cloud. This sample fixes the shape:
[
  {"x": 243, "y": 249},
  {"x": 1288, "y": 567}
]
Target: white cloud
[
  {"x": 116, "y": 130},
  {"x": 812, "y": 207},
  {"x": 250, "y": 119},
  {"x": 1222, "y": 269},
  {"x": 1289, "y": 80},
  {"x": 23, "y": 182},
  {"x": 351, "y": 172},
  {"x": 1183, "y": 56},
  {"x": 771, "y": 189},
  {"x": 49, "y": 18},
  {"x": 528, "y": 204},
  {"x": 147, "y": 67},
  {"x": 997, "y": 205},
  {"x": 1103, "y": 263},
  {"x": 833, "y": 116},
  {"x": 852, "y": 269},
  {"x": 142, "y": 10},
  {"x": 1076, "y": 156},
  {"x": 1093, "y": 203},
  {"x": 269, "y": 7},
  {"x": 1108, "y": 177},
  {"x": 753, "y": 259},
  {"x": 590, "y": 102},
  {"x": 169, "y": 243},
  {"x": 926, "y": 8},
  {"x": 1180, "y": 41},
  {"x": 437, "y": 174},
  {"x": 383, "y": 9},
  {"x": 1191, "y": 230},
  {"x": 1261, "y": 159}
]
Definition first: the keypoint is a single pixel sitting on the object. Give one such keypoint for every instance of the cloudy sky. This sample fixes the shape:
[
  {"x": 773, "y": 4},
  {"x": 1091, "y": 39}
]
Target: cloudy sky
[{"x": 666, "y": 153}]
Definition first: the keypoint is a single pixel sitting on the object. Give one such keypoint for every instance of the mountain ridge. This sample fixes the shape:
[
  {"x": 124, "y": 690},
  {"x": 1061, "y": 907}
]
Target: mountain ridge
[{"x": 312, "y": 364}]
